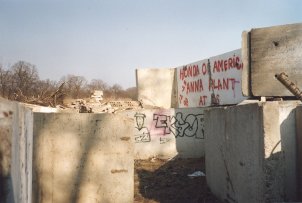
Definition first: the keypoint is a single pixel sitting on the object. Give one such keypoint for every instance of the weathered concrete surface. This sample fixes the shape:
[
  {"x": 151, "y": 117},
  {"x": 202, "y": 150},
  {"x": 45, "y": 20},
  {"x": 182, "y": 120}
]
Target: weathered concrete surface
[
  {"x": 275, "y": 50},
  {"x": 250, "y": 152},
  {"x": 166, "y": 133},
  {"x": 299, "y": 151},
  {"x": 16, "y": 124},
  {"x": 83, "y": 158},
  {"x": 233, "y": 152},
  {"x": 156, "y": 87},
  {"x": 246, "y": 59},
  {"x": 41, "y": 109},
  {"x": 287, "y": 121}
]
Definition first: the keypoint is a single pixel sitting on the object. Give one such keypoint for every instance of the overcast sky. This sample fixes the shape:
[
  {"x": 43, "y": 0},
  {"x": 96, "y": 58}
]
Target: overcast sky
[{"x": 108, "y": 40}]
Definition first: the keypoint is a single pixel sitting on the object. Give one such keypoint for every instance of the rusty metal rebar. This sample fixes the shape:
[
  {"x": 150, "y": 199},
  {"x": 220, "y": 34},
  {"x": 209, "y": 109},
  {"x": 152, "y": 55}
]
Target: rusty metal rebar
[{"x": 291, "y": 86}]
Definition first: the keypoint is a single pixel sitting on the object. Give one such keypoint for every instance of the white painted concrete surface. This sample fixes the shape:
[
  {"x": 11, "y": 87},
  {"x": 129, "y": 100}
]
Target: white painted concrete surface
[
  {"x": 168, "y": 132},
  {"x": 209, "y": 82},
  {"x": 156, "y": 87}
]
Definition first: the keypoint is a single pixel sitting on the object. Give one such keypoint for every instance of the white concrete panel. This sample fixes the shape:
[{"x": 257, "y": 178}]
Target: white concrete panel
[
  {"x": 210, "y": 82},
  {"x": 156, "y": 87}
]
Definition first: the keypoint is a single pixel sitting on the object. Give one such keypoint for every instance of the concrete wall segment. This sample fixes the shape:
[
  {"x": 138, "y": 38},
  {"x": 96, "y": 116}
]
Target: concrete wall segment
[
  {"x": 298, "y": 125},
  {"x": 250, "y": 152},
  {"x": 83, "y": 158},
  {"x": 210, "y": 82},
  {"x": 156, "y": 87},
  {"x": 287, "y": 120},
  {"x": 166, "y": 133},
  {"x": 15, "y": 151}
]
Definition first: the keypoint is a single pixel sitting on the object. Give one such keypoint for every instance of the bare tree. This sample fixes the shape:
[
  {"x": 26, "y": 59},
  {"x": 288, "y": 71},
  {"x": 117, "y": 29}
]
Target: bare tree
[
  {"x": 75, "y": 86},
  {"x": 5, "y": 78},
  {"x": 131, "y": 93},
  {"x": 24, "y": 78},
  {"x": 116, "y": 91},
  {"x": 44, "y": 88},
  {"x": 21, "y": 82},
  {"x": 97, "y": 84}
]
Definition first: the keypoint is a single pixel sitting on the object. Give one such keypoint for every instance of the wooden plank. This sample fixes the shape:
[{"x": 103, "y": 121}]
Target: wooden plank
[
  {"x": 245, "y": 55},
  {"x": 275, "y": 50},
  {"x": 299, "y": 151}
]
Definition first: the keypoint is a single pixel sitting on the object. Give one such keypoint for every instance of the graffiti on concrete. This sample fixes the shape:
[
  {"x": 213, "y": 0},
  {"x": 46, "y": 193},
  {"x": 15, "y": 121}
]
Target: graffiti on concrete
[
  {"x": 164, "y": 140},
  {"x": 190, "y": 126},
  {"x": 165, "y": 122},
  {"x": 211, "y": 82},
  {"x": 142, "y": 133}
]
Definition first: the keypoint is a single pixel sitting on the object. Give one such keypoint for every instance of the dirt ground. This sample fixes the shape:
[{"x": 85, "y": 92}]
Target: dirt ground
[{"x": 158, "y": 180}]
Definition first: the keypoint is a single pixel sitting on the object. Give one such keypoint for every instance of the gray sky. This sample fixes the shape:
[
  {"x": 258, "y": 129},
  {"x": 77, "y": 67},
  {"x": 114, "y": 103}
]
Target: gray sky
[{"x": 108, "y": 40}]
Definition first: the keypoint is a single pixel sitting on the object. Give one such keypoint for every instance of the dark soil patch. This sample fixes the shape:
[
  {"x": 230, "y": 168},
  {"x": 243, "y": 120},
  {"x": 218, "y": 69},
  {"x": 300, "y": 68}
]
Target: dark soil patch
[{"x": 158, "y": 180}]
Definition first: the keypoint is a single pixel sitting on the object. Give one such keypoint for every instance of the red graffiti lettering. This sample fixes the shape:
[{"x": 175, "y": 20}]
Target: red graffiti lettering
[
  {"x": 202, "y": 100},
  {"x": 180, "y": 98},
  {"x": 222, "y": 84},
  {"x": 194, "y": 86},
  {"x": 204, "y": 69},
  {"x": 230, "y": 63},
  {"x": 189, "y": 71},
  {"x": 186, "y": 102}
]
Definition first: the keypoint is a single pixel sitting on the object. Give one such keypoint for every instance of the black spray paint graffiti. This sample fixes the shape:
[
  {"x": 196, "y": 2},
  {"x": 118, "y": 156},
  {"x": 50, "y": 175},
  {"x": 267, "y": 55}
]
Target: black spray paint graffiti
[
  {"x": 190, "y": 126},
  {"x": 142, "y": 133},
  {"x": 163, "y": 140}
]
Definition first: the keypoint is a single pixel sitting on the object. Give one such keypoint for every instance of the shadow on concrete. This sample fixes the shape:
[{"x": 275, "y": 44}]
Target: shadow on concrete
[
  {"x": 274, "y": 178},
  {"x": 288, "y": 155},
  {"x": 170, "y": 181},
  {"x": 43, "y": 187},
  {"x": 67, "y": 166}
]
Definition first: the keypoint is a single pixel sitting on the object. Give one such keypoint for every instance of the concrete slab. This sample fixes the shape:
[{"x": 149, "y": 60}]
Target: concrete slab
[
  {"x": 83, "y": 158},
  {"x": 287, "y": 122},
  {"x": 16, "y": 124},
  {"x": 233, "y": 151},
  {"x": 275, "y": 50},
  {"x": 156, "y": 87},
  {"x": 40, "y": 109},
  {"x": 250, "y": 152},
  {"x": 210, "y": 82},
  {"x": 299, "y": 151},
  {"x": 166, "y": 133}
]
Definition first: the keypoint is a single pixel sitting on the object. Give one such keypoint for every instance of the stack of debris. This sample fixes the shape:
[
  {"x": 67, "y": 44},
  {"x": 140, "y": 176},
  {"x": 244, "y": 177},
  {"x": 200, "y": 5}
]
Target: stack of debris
[
  {"x": 94, "y": 105},
  {"x": 97, "y": 96}
]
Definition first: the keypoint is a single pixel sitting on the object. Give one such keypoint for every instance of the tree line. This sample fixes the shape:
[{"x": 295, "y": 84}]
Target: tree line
[{"x": 21, "y": 82}]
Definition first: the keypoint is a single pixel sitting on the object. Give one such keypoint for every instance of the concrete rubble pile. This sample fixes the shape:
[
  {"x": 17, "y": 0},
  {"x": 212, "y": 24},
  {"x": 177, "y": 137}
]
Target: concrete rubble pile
[
  {"x": 82, "y": 106},
  {"x": 95, "y": 104}
]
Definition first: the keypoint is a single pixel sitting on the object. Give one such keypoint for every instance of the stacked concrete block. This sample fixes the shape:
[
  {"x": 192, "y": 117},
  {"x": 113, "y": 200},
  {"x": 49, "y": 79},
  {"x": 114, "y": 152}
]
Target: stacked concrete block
[
  {"x": 270, "y": 51},
  {"x": 191, "y": 87},
  {"x": 250, "y": 152},
  {"x": 16, "y": 125},
  {"x": 83, "y": 158}
]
